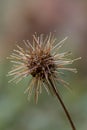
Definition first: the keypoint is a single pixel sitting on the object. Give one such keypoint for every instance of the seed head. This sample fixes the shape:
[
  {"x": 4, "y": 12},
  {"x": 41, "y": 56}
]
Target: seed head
[{"x": 40, "y": 59}]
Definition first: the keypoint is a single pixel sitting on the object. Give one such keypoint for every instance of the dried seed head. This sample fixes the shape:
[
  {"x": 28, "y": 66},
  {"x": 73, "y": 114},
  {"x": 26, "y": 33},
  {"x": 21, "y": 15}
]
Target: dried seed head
[{"x": 42, "y": 60}]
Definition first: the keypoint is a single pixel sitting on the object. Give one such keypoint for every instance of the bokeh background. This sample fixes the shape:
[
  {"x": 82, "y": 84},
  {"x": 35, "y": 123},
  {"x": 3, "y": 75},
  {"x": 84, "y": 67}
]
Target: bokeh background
[{"x": 19, "y": 19}]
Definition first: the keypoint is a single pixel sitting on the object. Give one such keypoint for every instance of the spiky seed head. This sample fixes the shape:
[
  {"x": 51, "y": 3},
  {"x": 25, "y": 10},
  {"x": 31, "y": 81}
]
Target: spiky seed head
[{"x": 42, "y": 60}]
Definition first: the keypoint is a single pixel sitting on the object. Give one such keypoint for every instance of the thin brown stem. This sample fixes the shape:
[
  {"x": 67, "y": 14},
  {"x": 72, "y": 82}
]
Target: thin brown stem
[{"x": 62, "y": 104}]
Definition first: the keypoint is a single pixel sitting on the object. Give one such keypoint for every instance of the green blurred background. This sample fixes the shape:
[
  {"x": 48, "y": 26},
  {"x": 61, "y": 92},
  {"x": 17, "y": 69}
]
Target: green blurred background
[{"x": 18, "y": 21}]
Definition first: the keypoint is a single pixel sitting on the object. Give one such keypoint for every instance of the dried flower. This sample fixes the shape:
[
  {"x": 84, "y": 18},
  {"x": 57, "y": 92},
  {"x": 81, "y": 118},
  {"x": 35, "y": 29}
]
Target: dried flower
[{"x": 42, "y": 60}]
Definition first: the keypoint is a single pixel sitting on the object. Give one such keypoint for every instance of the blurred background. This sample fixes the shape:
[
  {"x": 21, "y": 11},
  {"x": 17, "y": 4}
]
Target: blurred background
[{"x": 19, "y": 19}]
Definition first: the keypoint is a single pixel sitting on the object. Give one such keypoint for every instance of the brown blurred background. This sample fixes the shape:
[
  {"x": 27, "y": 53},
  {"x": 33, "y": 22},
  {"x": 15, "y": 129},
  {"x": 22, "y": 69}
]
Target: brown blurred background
[{"x": 19, "y": 19}]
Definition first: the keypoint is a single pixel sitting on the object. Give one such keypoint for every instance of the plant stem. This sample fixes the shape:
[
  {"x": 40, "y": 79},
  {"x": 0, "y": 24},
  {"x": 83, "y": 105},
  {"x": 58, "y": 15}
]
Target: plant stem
[{"x": 62, "y": 104}]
